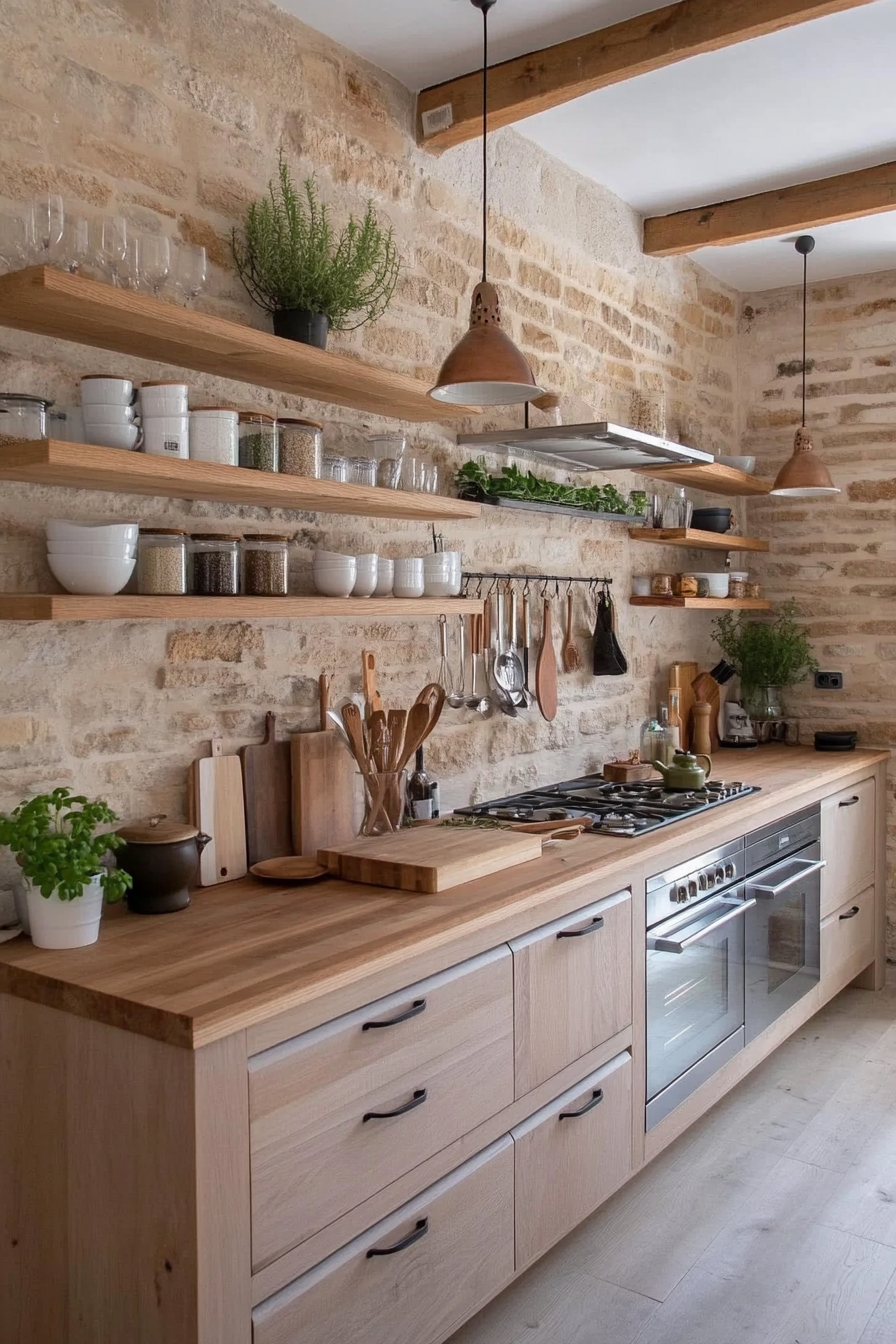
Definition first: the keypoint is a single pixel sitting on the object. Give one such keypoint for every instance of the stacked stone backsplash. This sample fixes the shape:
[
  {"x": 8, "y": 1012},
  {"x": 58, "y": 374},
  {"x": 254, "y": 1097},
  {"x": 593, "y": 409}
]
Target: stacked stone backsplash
[
  {"x": 836, "y": 556},
  {"x": 173, "y": 114}
]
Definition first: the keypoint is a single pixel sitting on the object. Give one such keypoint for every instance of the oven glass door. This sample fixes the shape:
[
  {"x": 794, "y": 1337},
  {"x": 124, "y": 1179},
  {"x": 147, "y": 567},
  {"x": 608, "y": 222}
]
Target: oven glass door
[
  {"x": 782, "y": 938},
  {"x": 695, "y": 985}
]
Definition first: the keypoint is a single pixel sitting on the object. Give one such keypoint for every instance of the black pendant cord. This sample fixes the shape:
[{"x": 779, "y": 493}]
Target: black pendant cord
[
  {"x": 805, "y": 285},
  {"x": 484, "y": 141}
]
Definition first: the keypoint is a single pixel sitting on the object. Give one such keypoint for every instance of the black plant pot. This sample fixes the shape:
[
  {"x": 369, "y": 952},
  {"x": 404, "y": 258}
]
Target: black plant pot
[{"x": 300, "y": 324}]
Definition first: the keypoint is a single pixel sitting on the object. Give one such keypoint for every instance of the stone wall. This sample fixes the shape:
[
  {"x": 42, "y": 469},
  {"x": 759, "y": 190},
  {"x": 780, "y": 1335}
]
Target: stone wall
[
  {"x": 837, "y": 557},
  {"x": 173, "y": 114}
]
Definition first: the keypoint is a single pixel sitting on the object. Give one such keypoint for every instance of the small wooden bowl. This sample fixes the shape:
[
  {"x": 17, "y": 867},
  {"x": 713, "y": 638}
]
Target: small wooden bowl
[{"x": 624, "y": 772}]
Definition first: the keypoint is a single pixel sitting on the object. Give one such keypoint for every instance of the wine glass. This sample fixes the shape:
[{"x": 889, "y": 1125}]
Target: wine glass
[
  {"x": 189, "y": 270},
  {"x": 153, "y": 258},
  {"x": 110, "y": 248},
  {"x": 74, "y": 249},
  {"x": 46, "y": 216}
]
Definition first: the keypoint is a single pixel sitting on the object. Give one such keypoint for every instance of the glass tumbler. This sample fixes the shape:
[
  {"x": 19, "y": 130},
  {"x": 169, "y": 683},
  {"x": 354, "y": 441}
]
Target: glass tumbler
[
  {"x": 389, "y": 451},
  {"x": 379, "y": 801}
]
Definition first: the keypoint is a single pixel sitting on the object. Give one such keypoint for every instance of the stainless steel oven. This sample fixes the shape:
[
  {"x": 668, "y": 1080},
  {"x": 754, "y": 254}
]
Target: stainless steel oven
[
  {"x": 783, "y": 866},
  {"x": 696, "y": 941}
]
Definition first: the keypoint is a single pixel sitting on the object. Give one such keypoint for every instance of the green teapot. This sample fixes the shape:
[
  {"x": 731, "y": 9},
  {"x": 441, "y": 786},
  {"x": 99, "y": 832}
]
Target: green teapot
[{"x": 684, "y": 772}]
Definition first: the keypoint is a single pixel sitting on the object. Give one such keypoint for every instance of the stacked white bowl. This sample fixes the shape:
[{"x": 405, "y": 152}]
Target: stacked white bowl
[
  {"x": 334, "y": 574},
  {"x": 108, "y": 412},
  {"x": 366, "y": 567},
  {"x": 166, "y": 419},
  {"x": 96, "y": 558}
]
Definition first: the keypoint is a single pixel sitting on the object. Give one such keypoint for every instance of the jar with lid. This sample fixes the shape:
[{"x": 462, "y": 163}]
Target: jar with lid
[
  {"x": 266, "y": 565},
  {"x": 214, "y": 435},
  {"x": 301, "y": 446},
  {"x": 336, "y": 469},
  {"x": 661, "y": 585},
  {"x": 259, "y": 441},
  {"x": 22, "y": 417},
  {"x": 656, "y": 738},
  {"x": 162, "y": 561},
  {"x": 215, "y": 564}
]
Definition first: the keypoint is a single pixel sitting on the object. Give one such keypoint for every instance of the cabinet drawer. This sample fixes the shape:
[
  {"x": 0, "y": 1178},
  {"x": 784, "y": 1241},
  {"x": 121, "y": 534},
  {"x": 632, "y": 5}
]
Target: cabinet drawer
[
  {"x": 439, "y": 1056},
  {"x": 461, "y": 1256},
  {"x": 570, "y": 1156},
  {"x": 573, "y": 988},
  {"x": 847, "y": 937},
  {"x": 847, "y": 844}
]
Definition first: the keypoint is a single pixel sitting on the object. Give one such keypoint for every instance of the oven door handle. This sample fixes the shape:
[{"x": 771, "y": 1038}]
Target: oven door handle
[
  {"x": 737, "y": 908},
  {"x": 807, "y": 868}
]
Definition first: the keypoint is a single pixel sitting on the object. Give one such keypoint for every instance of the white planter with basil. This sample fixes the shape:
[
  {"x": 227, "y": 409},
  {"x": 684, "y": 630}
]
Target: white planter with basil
[{"x": 57, "y": 923}]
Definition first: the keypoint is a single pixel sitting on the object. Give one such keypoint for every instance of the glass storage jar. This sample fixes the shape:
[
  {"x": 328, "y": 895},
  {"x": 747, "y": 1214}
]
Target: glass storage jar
[
  {"x": 661, "y": 585},
  {"x": 301, "y": 446},
  {"x": 336, "y": 469},
  {"x": 22, "y": 417},
  {"x": 215, "y": 564},
  {"x": 214, "y": 435},
  {"x": 259, "y": 441},
  {"x": 162, "y": 561},
  {"x": 265, "y": 566}
]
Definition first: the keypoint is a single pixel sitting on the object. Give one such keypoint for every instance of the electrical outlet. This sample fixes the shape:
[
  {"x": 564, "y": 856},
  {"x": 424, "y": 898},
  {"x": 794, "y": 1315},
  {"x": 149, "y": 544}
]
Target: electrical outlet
[{"x": 829, "y": 681}]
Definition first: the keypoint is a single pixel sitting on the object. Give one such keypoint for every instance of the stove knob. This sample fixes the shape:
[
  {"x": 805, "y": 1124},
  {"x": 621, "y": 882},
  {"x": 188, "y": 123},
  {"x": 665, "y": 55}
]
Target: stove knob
[
  {"x": 692, "y": 889},
  {"x": 710, "y": 881},
  {"x": 729, "y": 870},
  {"x": 702, "y": 882},
  {"x": 681, "y": 894},
  {"x": 720, "y": 874}
]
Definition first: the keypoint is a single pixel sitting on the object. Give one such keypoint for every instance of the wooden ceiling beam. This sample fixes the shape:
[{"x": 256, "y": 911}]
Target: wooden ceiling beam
[
  {"x": 451, "y": 113},
  {"x": 868, "y": 191}
]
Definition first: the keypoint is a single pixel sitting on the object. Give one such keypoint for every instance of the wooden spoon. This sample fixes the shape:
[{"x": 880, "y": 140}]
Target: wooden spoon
[
  {"x": 397, "y": 722},
  {"x": 433, "y": 697},
  {"x": 569, "y": 653},
  {"x": 419, "y": 726},
  {"x": 378, "y": 738},
  {"x": 546, "y": 670}
]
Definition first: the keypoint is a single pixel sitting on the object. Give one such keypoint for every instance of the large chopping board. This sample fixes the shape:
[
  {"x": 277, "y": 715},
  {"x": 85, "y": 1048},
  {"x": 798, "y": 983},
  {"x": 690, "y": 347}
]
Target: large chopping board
[
  {"x": 267, "y": 781},
  {"x": 216, "y": 807},
  {"x": 322, "y": 784},
  {"x": 430, "y": 859}
]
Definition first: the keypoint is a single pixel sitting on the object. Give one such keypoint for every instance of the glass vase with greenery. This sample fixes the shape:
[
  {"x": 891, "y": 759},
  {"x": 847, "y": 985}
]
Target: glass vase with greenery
[
  {"x": 768, "y": 655},
  {"x": 306, "y": 275}
]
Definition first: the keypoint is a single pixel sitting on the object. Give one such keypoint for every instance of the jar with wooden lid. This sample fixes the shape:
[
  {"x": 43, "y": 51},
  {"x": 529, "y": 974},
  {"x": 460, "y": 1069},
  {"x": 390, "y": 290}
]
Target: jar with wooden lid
[
  {"x": 266, "y": 565},
  {"x": 259, "y": 441},
  {"x": 301, "y": 446},
  {"x": 214, "y": 435},
  {"x": 215, "y": 560},
  {"x": 162, "y": 561},
  {"x": 661, "y": 585}
]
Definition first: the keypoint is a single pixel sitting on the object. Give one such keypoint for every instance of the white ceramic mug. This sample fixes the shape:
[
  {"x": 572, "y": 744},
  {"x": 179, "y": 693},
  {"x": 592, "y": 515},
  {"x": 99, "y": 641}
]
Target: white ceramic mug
[
  {"x": 408, "y": 580},
  {"x": 385, "y": 576},
  {"x": 166, "y": 435},
  {"x": 437, "y": 575},
  {"x": 114, "y": 436},
  {"x": 102, "y": 413},
  {"x": 456, "y": 563},
  {"x": 166, "y": 399},
  {"x": 108, "y": 391}
]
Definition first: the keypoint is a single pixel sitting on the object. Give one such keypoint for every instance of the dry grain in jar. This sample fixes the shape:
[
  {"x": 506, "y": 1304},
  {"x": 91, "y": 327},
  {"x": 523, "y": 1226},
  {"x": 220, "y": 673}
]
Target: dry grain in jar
[
  {"x": 162, "y": 562},
  {"x": 300, "y": 447},
  {"x": 259, "y": 441},
  {"x": 215, "y": 558},
  {"x": 265, "y": 565}
]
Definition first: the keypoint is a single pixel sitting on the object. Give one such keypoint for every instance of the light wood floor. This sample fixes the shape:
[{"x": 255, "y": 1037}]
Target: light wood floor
[{"x": 772, "y": 1221}]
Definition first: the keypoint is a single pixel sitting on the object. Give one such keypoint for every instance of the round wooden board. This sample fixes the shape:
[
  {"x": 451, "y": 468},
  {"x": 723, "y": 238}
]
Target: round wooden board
[{"x": 291, "y": 868}]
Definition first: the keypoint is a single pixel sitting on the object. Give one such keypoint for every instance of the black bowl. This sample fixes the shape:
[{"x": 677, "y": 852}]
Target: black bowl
[{"x": 711, "y": 520}]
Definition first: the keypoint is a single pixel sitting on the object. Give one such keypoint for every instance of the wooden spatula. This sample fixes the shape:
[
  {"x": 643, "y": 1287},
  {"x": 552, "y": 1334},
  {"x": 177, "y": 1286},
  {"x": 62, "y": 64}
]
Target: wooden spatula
[
  {"x": 546, "y": 670},
  {"x": 372, "y": 699}
]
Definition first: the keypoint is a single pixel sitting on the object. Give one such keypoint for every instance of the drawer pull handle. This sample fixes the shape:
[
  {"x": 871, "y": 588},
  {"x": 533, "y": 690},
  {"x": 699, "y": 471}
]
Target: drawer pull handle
[
  {"x": 596, "y": 1099},
  {"x": 596, "y": 923},
  {"x": 419, "y": 1231},
  {"x": 416, "y": 1008},
  {"x": 852, "y": 913},
  {"x": 849, "y": 802},
  {"x": 416, "y": 1100}
]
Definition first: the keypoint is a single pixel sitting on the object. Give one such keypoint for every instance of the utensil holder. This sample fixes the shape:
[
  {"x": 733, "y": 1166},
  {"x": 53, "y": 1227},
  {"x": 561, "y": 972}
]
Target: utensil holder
[{"x": 380, "y": 798}]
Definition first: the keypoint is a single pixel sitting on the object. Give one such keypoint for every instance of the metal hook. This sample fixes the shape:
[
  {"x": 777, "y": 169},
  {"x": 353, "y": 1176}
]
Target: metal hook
[
  {"x": 556, "y": 590},
  {"x": 527, "y": 588}
]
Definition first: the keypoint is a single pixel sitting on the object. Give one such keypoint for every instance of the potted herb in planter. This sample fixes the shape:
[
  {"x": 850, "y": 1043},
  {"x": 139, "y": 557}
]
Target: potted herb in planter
[
  {"x": 768, "y": 654},
  {"x": 311, "y": 281},
  {"x": 56, "y": 842}
]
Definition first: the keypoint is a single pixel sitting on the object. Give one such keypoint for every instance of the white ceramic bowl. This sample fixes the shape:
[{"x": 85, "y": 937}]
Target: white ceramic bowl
[
  {"x": 97, "y": 552},
  {"x": 109, "y": 391},
  {"x": 64, "y": 534},
  {"x": 91, "y": 573},
  {"x": 718, "y": 583},
  {"x": 455, "y": 560},
  {"x": 365, "y": 581},
  {"x": 114, "y": 436},
  {"x": 335, "y": 582},
  {"x": 408, "y": 580},
  {"x": 640, "y": 585},
  {"x": 385, "y": 575},
  {"x": 348, "y": 565},
  {"x": 745, "y": 464},
  {"x": 322, "y": 557},
  {"x": 100, "y": 413}
]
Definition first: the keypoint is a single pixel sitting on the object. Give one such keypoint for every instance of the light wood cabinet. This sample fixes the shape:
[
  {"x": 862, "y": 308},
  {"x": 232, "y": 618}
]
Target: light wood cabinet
[
  {"x": 570, "y": 1156},
  {"x": 416, "y": 1276},
  {"x": 572, "y": 984},
  {"x": 847, "y": 844},
  {"x": 341, "y": 1111},
  {"x": 847, "y": 939}
]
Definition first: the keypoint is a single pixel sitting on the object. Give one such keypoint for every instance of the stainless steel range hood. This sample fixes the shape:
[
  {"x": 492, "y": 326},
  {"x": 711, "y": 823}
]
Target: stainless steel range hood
[{"x": 595, "y": 447}]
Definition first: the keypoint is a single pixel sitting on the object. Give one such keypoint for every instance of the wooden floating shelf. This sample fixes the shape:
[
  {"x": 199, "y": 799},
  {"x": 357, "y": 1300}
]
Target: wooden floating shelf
[
  {"x": 88, "y": 467},
  {"x": 712, "y": 477},
  {"x": 694, "y": 537},
  {"x": 705, "y": 603},
  {"x": 123, "y": 607},
  {"x": 48, "y": 302}
]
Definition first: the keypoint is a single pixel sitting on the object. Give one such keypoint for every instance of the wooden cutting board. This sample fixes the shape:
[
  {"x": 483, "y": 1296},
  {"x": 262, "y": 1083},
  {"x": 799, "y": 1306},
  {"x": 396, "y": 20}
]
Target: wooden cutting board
[
  {"x": 216, "y": 807},
  {"x": 267, "y": 784},
  {"x": 430, "y": 859},
  {"x": 322, "y": 793},
  {"x": 680, "y": 677}
]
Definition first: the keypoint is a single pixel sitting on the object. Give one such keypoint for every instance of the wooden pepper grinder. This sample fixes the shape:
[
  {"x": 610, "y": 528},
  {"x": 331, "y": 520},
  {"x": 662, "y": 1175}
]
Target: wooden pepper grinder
[{"x": 700, "y": 715}]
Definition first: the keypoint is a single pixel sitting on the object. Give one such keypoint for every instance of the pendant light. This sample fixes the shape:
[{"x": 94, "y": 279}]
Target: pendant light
[
  {"x": 804, "y": 475},
  {"x": 485, "y": 368}
]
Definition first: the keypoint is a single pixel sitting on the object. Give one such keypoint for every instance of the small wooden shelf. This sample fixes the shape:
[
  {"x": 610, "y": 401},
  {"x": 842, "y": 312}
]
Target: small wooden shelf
[
  {"x": 712, "y": 477},
  {"x": 705, "y": 603},
  {"x": 88, "y": 467},
  {"x": 695, "y": 538},
  {"x": 123, "y": 607},
  {"x": 48, "y": 302}
]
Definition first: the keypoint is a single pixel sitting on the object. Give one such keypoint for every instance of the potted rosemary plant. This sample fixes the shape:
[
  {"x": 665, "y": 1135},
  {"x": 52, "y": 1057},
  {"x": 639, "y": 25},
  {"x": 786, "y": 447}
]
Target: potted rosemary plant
[
  {"x": 768, "y": 654},
  {"x": 308, "y": 278},
  {"x": 58, "y": 846}
]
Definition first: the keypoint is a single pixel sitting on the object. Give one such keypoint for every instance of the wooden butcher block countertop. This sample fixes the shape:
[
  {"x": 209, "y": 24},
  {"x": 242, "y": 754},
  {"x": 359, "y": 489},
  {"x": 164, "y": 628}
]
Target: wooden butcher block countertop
[{"x": 248, "y": 952}]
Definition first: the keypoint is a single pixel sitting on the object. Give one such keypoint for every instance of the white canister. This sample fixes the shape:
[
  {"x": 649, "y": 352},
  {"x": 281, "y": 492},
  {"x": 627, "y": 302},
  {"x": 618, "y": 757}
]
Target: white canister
[
  {"x": 385, "y": 577},
  {"x": 167, "y": 435},
  {"x": 456, "y": 564},
  {"x": 164, "y": 398},
  {"x": 214, "y": 435},
  {"x": 437, "y": 575},
  {"x": 408, "y": 580}
]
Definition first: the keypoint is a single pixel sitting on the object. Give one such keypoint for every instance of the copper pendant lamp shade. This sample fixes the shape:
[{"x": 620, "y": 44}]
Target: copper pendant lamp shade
[
  {"x": 803, "y": 475},
  {"x": 485, "y": 368}
]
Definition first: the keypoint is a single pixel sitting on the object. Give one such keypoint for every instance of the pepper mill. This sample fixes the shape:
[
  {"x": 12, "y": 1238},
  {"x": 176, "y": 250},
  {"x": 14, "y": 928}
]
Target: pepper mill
[{"x": 701, "y": 712}]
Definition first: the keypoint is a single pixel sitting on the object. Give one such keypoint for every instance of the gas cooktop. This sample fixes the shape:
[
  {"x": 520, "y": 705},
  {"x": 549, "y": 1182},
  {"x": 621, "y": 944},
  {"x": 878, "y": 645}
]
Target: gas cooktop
[{"x": 614, "y": 809}]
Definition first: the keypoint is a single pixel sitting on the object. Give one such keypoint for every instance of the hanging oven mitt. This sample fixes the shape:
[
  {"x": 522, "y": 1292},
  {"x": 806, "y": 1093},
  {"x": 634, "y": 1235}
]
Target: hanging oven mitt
[{"x": 608, "y": 658}]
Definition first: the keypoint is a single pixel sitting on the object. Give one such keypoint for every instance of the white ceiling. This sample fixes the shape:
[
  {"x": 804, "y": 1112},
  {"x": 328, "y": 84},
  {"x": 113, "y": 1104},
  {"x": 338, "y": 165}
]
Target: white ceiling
[{"x": 809, "y": 102}]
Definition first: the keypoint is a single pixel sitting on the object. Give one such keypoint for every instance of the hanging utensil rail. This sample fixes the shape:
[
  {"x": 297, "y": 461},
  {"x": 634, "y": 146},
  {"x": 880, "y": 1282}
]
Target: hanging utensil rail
[{"x": 471, "y": 577}]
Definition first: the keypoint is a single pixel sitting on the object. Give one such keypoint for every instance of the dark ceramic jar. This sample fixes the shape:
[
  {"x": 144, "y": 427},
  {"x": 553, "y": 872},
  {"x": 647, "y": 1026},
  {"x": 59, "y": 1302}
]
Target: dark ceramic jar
[{"x": 162, "y": 858}]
